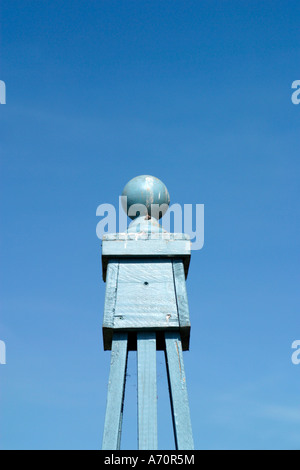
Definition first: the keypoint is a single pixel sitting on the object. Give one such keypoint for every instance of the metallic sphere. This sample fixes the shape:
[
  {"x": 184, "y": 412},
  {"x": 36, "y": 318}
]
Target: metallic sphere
[{"x": 146, "y": 196}]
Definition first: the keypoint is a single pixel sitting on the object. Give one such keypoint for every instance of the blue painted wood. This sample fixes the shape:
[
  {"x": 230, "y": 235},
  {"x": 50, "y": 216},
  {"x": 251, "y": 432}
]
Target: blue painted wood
[
  {"x": 182, "y": 303},
  {"x": 155, "y": 270},
  {"x": 145, "y": 270},
  {"x": 147, "y": 393},
  {"x": 178, "y": 392},
  {"x": 125, "y": 236},
  {"x": 115, "y": 393},
  {"x": 146, "y": 247},
  {"x": 137, "y": 245},
  {"x": 146, "y": 295},
  {"x": 110, "y": 302}
]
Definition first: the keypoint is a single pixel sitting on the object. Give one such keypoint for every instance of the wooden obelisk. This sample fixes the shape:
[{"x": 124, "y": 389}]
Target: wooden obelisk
[{"x": 146, "y": 309}]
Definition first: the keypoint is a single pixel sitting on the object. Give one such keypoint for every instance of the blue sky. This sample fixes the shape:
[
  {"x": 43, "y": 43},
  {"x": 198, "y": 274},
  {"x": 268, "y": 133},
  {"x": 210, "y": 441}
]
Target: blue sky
[{"x": 197, "y": 93}]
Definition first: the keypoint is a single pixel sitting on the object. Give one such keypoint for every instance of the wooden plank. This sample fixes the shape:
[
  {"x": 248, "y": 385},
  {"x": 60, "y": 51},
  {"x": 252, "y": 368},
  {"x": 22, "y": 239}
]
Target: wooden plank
[
  {"x": 181, "y": 293},
  {"x": 146, "y": 247},
  {"x": 110, "y": 294},
  {"x": 178, "y": 392},
  {"x": 144, "y": 236},
  {"x": 178, "y": 246},
  {"x": 146, "y": 295},
  {"x": 147, "y": 392},
  {"x": 110, "y": 302},
  {"x": 129, "y": 322},
  {"x": 182, "y": 303},
  {"x": 151, "y": 270},
  {"x": 135, "y": 298},
  {"x": 115, "y": 393}
]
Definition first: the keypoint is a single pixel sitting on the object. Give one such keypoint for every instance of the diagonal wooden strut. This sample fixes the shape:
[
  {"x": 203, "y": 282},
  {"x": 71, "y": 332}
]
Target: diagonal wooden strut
[
  {"x": 178, "y": 392},
  {"x": 115, "y": 393},
  {"x": 147, "y": 391}
]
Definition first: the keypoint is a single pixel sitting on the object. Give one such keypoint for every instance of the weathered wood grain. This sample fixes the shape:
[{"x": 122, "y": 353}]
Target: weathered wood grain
[
  {"x": 145, "y": 236},
  {"x": 178, "y": 392},
  {"x": 110, "y": 293},
  {"x": 147, "y": 391},
  {"x": 110, "y": 302},
  {"x": 151, "y": 270},
  {"x": 146, "y": 295},
  {"x": 182, "y": 302},
  {"x": 134, "y": 246},
  {"x": 115, "y": 393}
]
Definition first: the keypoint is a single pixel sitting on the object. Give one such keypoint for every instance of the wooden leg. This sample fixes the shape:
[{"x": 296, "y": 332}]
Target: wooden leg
[
  {"x": 178, "y": 392},
  {"x": 115, "y": 394},
  {"x": 147, "y": 393}
]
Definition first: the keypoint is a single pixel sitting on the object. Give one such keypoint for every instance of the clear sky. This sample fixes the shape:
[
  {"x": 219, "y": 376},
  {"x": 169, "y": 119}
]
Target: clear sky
[{"x": 197, "y": 93}]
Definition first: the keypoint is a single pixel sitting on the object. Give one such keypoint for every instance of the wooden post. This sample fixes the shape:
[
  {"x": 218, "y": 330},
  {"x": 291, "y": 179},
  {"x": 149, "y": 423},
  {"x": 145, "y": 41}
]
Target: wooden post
[
  {"x": 146, "y": 308},
  {"x": 178, "y": 392},
  {"x": 115, "y": 393},
  {"x": 147, "y": 393}
]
